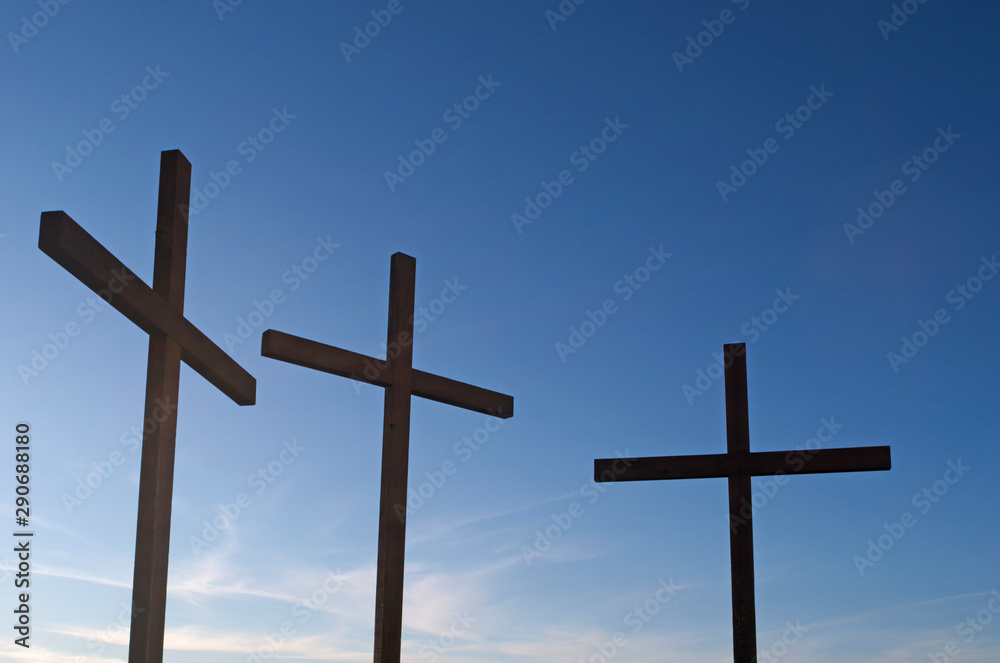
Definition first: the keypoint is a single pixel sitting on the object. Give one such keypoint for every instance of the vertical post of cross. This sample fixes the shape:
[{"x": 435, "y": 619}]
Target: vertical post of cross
[
  {"x": 149, "y": 588},
  {"x": 395, "y": 461},
  {"x": 741, "y": 541}
]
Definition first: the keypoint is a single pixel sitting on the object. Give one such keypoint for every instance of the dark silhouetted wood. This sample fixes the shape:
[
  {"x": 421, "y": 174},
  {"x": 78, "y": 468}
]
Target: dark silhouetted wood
[
  {"x": 757, "y": 463},
  {"x": 347, "y": 364},
  {"x": 63, "y": 240},
  {"x": 401, "y": 380},
  {"x": 739, "y": 464},
  {"x": 160, "y": 312}
]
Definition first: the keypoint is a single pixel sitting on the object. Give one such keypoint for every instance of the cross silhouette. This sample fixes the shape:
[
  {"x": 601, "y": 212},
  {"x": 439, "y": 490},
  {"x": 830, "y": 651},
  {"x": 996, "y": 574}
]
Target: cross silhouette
[
  {"x": 738, "y": 465},
  {"x": 400, "y": 380},
  {"x": 159, "y": 311}
]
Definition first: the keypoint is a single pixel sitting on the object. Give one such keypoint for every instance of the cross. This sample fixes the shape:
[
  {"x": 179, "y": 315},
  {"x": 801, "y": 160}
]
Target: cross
[
  {"x": 159, "y": 311},
  {"x": 400, "y": 380},
  {"x": 738, "y": 465}
]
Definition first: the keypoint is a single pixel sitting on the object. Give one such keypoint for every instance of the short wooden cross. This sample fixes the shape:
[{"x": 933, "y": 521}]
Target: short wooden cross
[
  {"x": 159, "y": 311},
  {"x": 400, "y": 380},
  {"x": 738, "y": 465}
]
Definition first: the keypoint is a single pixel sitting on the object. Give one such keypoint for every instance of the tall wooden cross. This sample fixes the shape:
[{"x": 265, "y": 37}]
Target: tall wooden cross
[
  {"x": 400, "y": 380},
  {"x": 159, "y": 311},
  {"x": 738, "y": 465}
]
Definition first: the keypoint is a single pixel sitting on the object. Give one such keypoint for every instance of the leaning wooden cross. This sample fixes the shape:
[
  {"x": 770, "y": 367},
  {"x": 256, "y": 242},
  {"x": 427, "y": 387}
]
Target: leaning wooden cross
[
  {"x": 738, "y": 465},
  {"x": 401, "y": 381},
  {"x": 159, "y": 311}
]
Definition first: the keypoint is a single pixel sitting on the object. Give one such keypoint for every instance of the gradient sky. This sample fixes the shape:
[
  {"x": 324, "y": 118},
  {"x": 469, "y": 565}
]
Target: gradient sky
[{"x": 515, "y": 555}]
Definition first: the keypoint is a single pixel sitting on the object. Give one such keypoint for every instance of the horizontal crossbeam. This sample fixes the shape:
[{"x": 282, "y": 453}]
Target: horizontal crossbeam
[
  {"x": 63, "y": 240},
  {"x": 758, "y": 463},
  {"x": 347, "y": 364}
]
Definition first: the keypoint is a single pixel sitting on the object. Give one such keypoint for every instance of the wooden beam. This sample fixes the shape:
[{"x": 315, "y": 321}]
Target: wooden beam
[
  {"x": 758, "y": 463},
  {"x": 355, "y": 366},
  {"x": 395, "y": 461},
  {"x": 321, "y": 357},
  {"x": 63, "y": 240},
  {"x": 163, "y": 374},
  {"x": 741, "y": 536},
  {"x": 819, "y": 461},
  {"x": 467, "y": 396},
  {"x": 702, "y": 466}
]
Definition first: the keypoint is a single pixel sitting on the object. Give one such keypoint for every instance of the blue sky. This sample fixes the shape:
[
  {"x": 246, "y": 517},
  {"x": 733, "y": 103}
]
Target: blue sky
[{"x": 698, "y": 170}]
